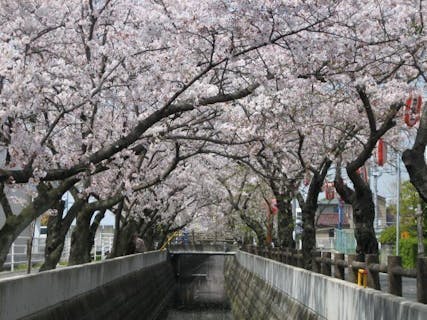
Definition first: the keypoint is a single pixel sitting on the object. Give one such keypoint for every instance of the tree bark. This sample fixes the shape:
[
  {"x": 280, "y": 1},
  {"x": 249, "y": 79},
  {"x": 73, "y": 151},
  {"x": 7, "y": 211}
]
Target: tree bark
[
  {"x": 15, "y": 224},
  {"x": 124, "y": 244},
  {"x": 149, "y": 238},
  {"x": 117, "y": 227},
  {"x": 81, "y": 242},
  {"x": 55, "y": 238},
  {"x": 414, "y": 158},
  {"x": 80, "y": 238},
  {"x": 309, "y": 208},
  {"x": 285, "y": 221},
  {"x": 363, "y": 211},
  {"x": 94, "y": 228},
  {"x": 256, "y": 227}
]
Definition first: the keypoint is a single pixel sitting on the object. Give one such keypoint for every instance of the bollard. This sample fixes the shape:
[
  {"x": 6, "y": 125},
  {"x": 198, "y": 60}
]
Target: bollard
[
  {"x": 394, "y": 279},
  {"x": 373, "y": 276},
  {"x": 362, "y": 277},
  {"x": 277, "y": 254},
  {"x": 270, "y": 253},
  {"x": 300, "y": 259},
  {"x": 339, "y": 272},
  {"x": 315, "y": 263},
  {"x": 352, "y": 272},
  {"x": 283, "y": 255},
  {"x": 294, "y": 257},
  {"x": 325, "y": 266},
  {"x": 422, "y": 280},
  {"x": 288, "y": 256}
]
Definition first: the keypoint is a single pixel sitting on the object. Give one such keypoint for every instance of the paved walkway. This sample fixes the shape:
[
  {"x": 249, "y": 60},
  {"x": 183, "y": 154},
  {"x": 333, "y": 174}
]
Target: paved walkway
[
  {"x": 10, "y": 274},
  {"x": 409, "y": 286}
]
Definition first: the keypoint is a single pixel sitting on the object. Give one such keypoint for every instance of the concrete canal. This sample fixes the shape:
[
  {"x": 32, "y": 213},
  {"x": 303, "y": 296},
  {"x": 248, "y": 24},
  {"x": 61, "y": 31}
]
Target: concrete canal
[{"x": 200, "y": 290}]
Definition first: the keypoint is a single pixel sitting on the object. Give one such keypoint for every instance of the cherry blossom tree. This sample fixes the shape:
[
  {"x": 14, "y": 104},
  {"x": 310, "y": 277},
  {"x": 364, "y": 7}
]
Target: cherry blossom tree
[{"x": 120, "y": 68}]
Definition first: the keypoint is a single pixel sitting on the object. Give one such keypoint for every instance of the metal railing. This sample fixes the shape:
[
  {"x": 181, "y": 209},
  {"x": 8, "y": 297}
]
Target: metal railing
[
  {"x": 20, "y": 249},
  {"x": 324, "y": 262}
]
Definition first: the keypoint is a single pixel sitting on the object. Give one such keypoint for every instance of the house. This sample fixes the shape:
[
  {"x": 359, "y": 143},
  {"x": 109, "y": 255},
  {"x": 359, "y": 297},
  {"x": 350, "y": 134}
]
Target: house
[{"x": 328, "y": 220}]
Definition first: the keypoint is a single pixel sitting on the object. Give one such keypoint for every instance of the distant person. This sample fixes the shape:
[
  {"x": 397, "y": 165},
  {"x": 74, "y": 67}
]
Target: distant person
[{"x": 139, "y": 244}]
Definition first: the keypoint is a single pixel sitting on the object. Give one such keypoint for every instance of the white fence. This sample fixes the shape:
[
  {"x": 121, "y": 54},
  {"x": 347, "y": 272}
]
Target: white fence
[{"x": 18, "y": 253}]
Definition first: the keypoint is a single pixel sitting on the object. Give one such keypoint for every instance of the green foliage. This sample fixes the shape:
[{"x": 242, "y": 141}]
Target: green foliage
[
  {"x": 409, "y": 200},
  {"x": 388, "y": 235},
  {"x": 408, "y": 249}
]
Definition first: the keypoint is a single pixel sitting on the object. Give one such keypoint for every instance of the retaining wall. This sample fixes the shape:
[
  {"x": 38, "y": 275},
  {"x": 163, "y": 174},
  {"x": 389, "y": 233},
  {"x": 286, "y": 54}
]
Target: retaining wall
[
  {"x": 92, "y": 291},
  {"x": 330, "y": 298},
  {"x": 253, "y": 299}
]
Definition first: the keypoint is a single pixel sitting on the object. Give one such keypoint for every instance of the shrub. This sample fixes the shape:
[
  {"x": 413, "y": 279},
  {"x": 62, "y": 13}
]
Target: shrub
[
  {"x": 408, "y": 249},
  {"x": 389, "y": 234}
]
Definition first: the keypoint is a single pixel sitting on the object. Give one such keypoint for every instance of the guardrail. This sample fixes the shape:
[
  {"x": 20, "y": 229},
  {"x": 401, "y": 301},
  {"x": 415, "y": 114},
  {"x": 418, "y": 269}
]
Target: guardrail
[
  {"x": 20, "y": 248},
  {"x": 19, "y": 251},
  {"x": 323, "y": 263}
]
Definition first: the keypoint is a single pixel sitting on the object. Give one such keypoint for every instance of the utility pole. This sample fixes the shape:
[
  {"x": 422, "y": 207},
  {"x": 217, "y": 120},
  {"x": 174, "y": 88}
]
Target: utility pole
[
  {"x": 375, "y": 174},
  {"x": 398, "y": 203},
  {"x": 419, "y": 215}
]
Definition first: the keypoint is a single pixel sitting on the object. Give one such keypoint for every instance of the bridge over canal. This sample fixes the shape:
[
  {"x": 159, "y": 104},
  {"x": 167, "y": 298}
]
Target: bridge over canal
[{"x": 190, "y": 283}]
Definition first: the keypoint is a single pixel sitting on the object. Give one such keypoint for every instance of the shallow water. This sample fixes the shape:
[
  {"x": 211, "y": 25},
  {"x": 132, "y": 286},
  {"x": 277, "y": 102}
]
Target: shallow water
[
  {"x": 200, "y": 290},
  {"x": 174, "y": 314}
]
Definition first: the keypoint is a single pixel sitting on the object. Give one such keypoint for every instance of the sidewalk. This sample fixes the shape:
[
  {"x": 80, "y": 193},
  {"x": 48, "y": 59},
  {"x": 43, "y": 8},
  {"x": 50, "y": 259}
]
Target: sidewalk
[{"x": 20, "y": 273}]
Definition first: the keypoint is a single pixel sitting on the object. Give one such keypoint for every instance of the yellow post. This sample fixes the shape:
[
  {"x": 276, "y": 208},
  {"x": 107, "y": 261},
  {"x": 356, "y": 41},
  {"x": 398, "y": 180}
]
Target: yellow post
[{"x": 362, "y": 277}]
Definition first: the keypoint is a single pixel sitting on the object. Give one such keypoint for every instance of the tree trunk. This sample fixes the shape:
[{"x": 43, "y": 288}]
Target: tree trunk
[
  {"x": 80, "y": 238},
  {"x": 93, "y": 228},
  {"x": 256, "y": 227},
  {"x": 149, "y": 238},
  {"x": 55, "y": 239},
  {"x": 363, "y": 216},
  {"x": 308, "y": 235},
  {"x": 117, "y": 227},
  {"x": 363, "y": 211},
  {"x": 285, "y": 221},
  {"x": 414, "y": 159},
  {"x": 308, "y": 208},
  {"x": 124, "y": 244},
  {"x": 15, "y": 224}
]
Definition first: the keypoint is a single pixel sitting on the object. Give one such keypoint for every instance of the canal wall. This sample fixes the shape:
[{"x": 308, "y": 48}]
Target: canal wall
[
  {"x": 252, "y": 298},
  {"x": 131, "y": 287},
  {"x": 326, "y": 297}
]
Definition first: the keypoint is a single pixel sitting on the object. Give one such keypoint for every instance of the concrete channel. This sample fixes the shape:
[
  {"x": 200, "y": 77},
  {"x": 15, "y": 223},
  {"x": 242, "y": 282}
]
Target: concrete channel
[
  {"x": 200, "y": 292},
  {"x": 195, "y": 285}
]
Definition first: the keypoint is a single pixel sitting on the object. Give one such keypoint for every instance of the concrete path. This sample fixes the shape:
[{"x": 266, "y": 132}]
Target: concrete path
[{"x": 409, "y": 286}]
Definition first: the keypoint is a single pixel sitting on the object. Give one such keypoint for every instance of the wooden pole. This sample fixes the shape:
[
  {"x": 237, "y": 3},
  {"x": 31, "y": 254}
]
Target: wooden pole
[
  {"x": 352, "y": 273},
  {"x": 422, "y": 280},
  {"x": 373, "y": 276},
  {"x": 326, "y": 267},
  {"x": 316, "y": 264},
  {"x": 338, "y": 269},
  {"x": 300, "y": 261},
  {"x": 394, "y": 263}
]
